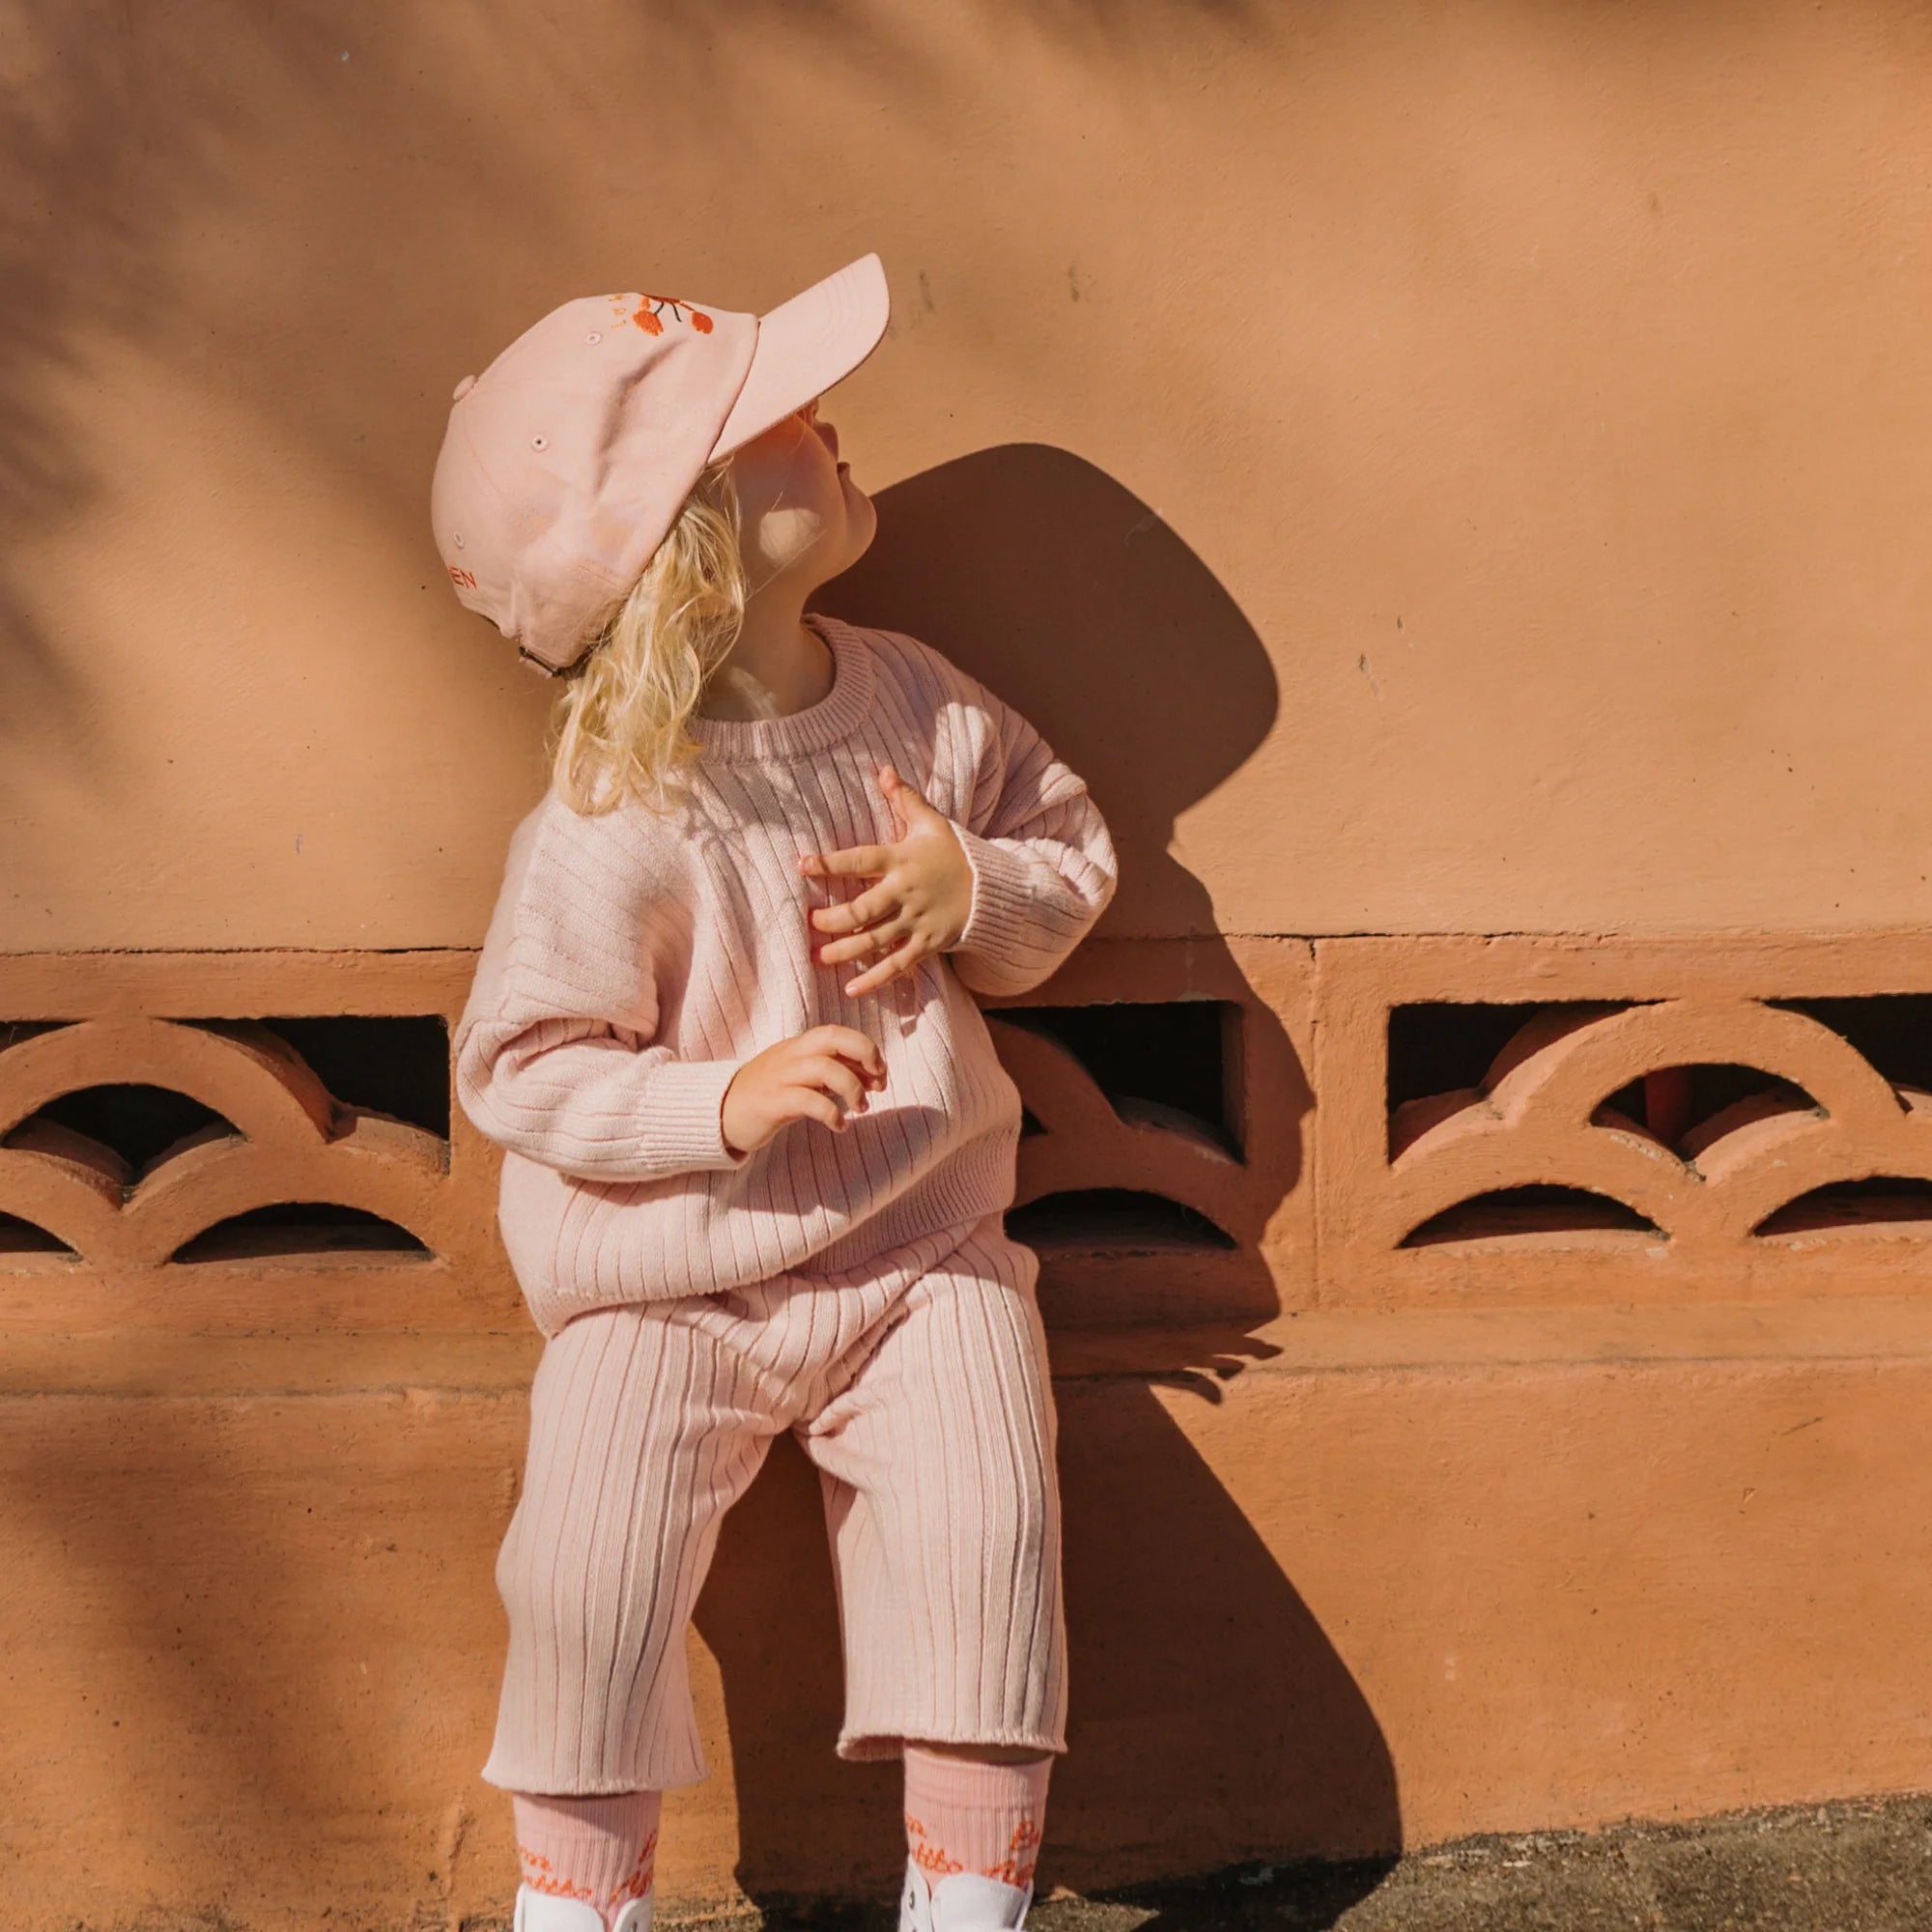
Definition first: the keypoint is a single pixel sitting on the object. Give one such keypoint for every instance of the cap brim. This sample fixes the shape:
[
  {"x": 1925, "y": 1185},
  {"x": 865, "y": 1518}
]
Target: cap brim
[{"x": 805, "y": 346}]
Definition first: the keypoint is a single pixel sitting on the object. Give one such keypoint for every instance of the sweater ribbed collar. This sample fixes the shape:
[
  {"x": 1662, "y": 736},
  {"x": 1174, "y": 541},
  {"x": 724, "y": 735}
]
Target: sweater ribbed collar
[{"x": 811, "y": 729}]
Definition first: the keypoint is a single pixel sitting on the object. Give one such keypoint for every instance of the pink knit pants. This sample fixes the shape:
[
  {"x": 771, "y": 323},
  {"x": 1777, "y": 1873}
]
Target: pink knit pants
[{"x": 917, "y": 1385}]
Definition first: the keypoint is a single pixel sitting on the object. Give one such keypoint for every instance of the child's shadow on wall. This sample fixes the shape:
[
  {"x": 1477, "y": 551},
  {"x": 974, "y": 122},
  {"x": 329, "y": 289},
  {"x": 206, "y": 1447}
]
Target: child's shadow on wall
[{"x": 1210, "y": 1711}]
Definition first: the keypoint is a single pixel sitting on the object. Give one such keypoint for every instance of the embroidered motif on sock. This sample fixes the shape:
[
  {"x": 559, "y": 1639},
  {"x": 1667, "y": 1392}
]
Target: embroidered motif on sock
[
  {"x": 1016, "y": 1868},
  {"x": 643, "y": 1874},
  {"x": 925, "y": 1855},
  {"x": 540, "y": 1875},
  {"x": 1022, "y": 1854}
]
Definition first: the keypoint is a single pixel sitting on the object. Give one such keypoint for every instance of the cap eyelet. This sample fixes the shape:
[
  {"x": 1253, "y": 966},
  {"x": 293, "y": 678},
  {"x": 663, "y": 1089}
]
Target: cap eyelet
[
  {"x": 457, "y": 539},
  {"x": 595, "y": 335},
  {"x": 539, "y": 443}
]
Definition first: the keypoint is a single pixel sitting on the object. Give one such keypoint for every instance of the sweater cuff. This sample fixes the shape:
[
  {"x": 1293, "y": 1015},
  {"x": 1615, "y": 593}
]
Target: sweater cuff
[
  {"x": 685, "y": 1103},
  {"x": 1001, "y": 920}
]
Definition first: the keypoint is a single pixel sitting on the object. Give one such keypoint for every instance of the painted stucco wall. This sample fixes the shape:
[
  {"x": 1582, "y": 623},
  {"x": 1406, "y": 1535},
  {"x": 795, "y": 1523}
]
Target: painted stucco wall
[{"x": 1434, "y": 467}]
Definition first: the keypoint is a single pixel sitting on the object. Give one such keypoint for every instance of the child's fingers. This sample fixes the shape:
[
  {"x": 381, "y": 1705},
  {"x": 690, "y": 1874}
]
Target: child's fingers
[
  {"x": 861, "y": 861},
  {"x": 874, "y": 905},
  {"x": 887, "y": 968},
  {"x": 911, "y": 802},
  {"x": 860, "y": 945},
  {"x": 812, "y": 1105},
  {"x": 835, "y": 1081},
  {"x": 850, "y": 1043}
]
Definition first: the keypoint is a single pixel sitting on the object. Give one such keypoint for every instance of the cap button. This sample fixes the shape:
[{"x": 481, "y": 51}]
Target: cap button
[{"x": 463, "y": 389}]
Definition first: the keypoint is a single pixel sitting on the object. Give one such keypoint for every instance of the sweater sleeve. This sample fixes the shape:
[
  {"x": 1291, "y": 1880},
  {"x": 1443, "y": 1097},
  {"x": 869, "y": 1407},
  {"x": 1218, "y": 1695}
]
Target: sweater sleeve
[
  {"x": 1042, "y": 859},
  {"x": 555, "y": 1055}
]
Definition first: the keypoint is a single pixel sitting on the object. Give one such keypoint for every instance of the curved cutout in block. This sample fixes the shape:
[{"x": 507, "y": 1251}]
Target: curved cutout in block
[
  {"x": 306, "y": 1231},
  {"x": 1701, "y": 1103},
  {"x": 1769, "y": 1103},
  {"x": 137, "y": 1123},
  {"x": 1423, "y": 1114},
  {"x": 20, "y": 1238},
  {"x": 1163, "y": 1118},
  {"x": 16, "y": 1033},
  {"x": 1884, "y": 1204},
  {"x": 1893, "y": 1030},
  {"x": 1614, "y": 1121},
  {"x": 1438, "y": 1045},
  {"x": 395, "y": 1065},
  {"x": 210, "y": 1134},
  {"x": 1115, "y": 1221},
  {"x": 1166, "y": 1062},
  {"x": 1533, "y": 1212}
]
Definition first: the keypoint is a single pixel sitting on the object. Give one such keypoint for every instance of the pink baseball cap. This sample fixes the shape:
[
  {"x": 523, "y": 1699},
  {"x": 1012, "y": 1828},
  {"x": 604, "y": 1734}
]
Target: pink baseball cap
[{"x": 569, "y": 458}]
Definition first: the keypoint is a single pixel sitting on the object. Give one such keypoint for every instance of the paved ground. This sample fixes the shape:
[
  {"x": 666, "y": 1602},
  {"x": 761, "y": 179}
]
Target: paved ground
[{"x": 1850, "y": 1867}]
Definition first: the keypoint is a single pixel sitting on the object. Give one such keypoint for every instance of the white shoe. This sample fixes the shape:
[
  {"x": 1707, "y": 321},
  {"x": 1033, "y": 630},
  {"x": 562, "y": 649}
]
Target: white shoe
[
  {"x": 551, "y": 1911},
  {"x": 960, "y": 1902}
]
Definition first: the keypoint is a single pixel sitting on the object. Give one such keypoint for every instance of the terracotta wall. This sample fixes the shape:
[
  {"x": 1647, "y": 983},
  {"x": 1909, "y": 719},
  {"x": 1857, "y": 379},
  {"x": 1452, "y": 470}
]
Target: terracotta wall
[
  {"x": 1455, "y": 467},
  {"x": 1451, "y": 476}
]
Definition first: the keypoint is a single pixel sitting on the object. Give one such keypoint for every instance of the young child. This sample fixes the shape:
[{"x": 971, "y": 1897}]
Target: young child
[{"x": 757, "y": 1145}]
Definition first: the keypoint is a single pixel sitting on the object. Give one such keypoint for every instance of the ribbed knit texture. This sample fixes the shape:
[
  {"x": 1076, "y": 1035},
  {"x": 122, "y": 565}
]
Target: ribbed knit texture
[
  {"x": 635, "y": 961},
  {"x": 601, "y": 1850},
  {"x": 983, "y": 1818},
  {"x": 919, "y": 1389}
]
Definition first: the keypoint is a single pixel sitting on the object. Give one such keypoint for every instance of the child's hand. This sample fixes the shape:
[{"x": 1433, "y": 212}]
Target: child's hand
[
  {"x": 920, "y": 904},
  {"x": 809, "y": 1076}
]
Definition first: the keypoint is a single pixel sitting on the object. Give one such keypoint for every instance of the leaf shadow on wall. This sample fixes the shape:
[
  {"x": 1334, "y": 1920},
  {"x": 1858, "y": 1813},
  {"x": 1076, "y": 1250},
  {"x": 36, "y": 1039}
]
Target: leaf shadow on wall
[{"x": 1211, "y": 1719}]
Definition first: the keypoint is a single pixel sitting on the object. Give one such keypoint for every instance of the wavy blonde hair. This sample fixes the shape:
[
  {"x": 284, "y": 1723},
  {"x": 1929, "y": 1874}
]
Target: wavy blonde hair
[{"x": 617, "y": 730}]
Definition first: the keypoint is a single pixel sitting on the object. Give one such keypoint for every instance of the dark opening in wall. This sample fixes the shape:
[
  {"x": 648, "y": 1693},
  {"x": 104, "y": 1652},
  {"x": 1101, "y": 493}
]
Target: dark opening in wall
[
  {"x": 1440, "y": 1045},
  {"x": 24, "y": 1237},
  {"x": 1182, "y": 1054},
  {"x": 137, "y": 1122},
  {"x": 1113, "y": 1220},
  {"x": 1536, "y": 1209},
  {"x": 13, "y": 1032},
  {"x": 1883, "y": 1199},
  {"x": 1893, "y": 1030},
  {"x": 300, "y": 1228},
  {"x": 395, "y": 1065},
  {"x": 389, "y": 1064},
  {"x": 1681, "y": 1102}
]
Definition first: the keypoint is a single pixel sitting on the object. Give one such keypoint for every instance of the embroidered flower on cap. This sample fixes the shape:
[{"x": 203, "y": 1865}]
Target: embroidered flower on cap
[{"x": 650, "y": 310}]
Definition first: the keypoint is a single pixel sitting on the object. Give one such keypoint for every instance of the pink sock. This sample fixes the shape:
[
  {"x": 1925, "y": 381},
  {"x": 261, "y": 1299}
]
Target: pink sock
[
  {"x": 603, "y": 1849},
  {"x": 965, "y": 1816}
]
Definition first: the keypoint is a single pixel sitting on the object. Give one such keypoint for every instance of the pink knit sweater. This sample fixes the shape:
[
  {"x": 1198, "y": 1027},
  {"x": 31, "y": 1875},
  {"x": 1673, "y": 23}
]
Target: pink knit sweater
[{"x": 635, "y": 961}]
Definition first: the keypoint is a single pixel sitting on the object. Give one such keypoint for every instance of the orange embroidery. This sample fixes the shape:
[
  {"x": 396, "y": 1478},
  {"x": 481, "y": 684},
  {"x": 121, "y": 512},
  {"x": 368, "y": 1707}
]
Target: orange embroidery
[
  {"x": 643, "y": 1874},
  {"x": 653, "y": 306},
  {"x": 540, "y": 1875},
  {"x": 1016, "y": 1868},
  {"x": 929, "y": 1857},
  {"x": 650, "y": 309},
  {"x": 466, "y": 578}
]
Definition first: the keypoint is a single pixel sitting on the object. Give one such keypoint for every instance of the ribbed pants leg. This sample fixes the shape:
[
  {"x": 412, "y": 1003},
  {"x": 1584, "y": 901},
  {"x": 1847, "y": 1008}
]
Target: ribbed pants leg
[
  {"x": 944, "y": 1510},
  {"x": 644, "y": 1428}
]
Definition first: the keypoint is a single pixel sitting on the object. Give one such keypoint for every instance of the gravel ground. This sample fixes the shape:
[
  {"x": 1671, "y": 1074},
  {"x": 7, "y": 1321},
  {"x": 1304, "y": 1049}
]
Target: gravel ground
[{"x": 1861, "y": 1866}]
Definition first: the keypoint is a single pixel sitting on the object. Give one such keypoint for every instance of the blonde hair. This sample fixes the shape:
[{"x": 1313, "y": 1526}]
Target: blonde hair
[{"x": 617, "y": 728}]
